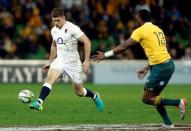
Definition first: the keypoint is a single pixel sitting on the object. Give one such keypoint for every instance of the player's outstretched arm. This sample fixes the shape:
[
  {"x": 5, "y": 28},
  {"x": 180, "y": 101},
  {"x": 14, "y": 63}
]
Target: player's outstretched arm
[
  {"x": 117, "y": 50},
  {"x": 101, "y": 56}
]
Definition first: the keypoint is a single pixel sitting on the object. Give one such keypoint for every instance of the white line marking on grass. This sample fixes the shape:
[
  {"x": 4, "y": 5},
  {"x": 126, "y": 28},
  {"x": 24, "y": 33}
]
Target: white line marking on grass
[{"x": 94, "y": 127}]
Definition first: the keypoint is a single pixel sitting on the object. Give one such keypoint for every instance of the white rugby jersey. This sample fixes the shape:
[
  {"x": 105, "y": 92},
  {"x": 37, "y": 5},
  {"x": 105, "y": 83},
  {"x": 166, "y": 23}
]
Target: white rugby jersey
[{"x": 66, "y": 39}]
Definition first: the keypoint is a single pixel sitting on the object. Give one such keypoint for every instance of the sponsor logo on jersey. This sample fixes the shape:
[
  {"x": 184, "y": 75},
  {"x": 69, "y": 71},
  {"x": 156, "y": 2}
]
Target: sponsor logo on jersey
[{"x": 60, "y": 40}]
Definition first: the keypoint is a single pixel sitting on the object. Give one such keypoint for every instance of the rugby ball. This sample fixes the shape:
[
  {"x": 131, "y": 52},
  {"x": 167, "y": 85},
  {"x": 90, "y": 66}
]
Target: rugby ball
[{"x": 25, "y": 96}]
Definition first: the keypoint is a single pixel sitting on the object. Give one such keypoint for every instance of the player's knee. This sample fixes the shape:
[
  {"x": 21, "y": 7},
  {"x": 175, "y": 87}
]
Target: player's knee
[
  {"x": 147, "y": 100},
  {"x": 79, "y": 93}
]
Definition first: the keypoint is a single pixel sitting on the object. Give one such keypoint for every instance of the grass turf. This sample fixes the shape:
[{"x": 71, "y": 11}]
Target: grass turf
[{"x": 122, "y": 106}]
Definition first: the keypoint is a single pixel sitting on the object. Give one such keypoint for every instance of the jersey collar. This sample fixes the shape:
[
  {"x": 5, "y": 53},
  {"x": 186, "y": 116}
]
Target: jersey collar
[{"x": 63, "y": 25}]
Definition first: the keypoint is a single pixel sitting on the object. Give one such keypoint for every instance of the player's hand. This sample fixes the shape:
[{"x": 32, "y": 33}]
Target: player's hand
[
  {"x": 46, "y": 67},
  {"x": 100, "y": 56},
  {"x": 142, "y": 73},
  {"x": 86, "y": 65}
]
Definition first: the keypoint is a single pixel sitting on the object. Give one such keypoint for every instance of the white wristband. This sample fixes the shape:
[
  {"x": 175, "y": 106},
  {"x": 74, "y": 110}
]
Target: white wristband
[{"x": 109, "y": 53}]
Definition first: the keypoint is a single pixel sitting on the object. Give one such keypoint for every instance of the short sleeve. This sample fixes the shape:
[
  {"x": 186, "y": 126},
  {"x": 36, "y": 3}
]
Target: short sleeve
[
  {"x": 77, "y": 32},
  {"x": 137, "y": 35}
]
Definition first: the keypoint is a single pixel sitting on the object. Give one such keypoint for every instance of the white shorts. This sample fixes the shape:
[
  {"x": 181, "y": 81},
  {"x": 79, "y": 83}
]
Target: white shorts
[{"x": 73, "y": 70}]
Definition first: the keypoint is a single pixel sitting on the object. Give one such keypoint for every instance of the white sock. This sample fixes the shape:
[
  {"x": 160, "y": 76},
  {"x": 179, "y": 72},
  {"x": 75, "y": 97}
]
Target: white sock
[
  {"x": 40, "y": 100},
  {"x": 85, "y": 91},
  {"x": 95, "y": 96},
  {"x": 47, "y": 85}
]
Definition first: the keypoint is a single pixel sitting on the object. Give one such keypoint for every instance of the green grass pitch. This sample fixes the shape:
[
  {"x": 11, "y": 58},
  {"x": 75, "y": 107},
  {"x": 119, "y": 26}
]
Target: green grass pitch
[{"x": 122, "y": 106}]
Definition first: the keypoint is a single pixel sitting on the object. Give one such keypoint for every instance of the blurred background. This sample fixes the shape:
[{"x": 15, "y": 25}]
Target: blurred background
[
  {"x": 25, "y": 38},
  {"x": 25, "y": 42},
  {"x": 25, "y": 25}
]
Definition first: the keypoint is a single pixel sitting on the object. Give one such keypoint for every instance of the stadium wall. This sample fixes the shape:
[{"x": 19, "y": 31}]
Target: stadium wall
[
  {"x": 106, "y": 72},
  {"x": 124, "y": 72}
]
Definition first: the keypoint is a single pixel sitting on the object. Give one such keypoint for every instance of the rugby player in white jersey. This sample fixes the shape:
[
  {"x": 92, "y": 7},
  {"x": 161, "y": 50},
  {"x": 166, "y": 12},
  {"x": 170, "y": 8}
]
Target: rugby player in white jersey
[{"x": 64, "y": 59}]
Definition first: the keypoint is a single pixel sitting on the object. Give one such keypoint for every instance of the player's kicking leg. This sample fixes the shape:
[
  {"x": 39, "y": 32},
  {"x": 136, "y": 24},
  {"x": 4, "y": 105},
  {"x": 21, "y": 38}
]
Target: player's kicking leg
[
  {"x": 81, "y": 91},
  {"x": 52, "y": 76},
  {"x": 37, "y": 104}
]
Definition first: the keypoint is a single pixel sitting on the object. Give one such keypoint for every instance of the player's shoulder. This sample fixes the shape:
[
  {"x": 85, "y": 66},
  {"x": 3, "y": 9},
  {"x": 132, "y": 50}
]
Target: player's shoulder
[
  {"x": 139, "y": 29},
  {"x": 144, "y": 26},
  {"x": 157, "y": 28},
  {"x": 71, "y": 25},
  {"x": 150, "y": 24},
  {"x": 147, "y": 24},
  {"x": 54, "y": 28}
]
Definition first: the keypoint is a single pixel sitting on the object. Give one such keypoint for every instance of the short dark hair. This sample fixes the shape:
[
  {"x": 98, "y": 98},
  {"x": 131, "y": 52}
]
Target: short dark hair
[
  {"x": 144, "y": 15},
  {"x": 56, "y": 12}
]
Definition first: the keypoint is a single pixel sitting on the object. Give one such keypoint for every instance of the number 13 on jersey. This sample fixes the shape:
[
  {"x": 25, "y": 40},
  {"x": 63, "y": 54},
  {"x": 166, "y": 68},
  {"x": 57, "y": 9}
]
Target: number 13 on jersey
[{"x": 160, "y": 37}]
